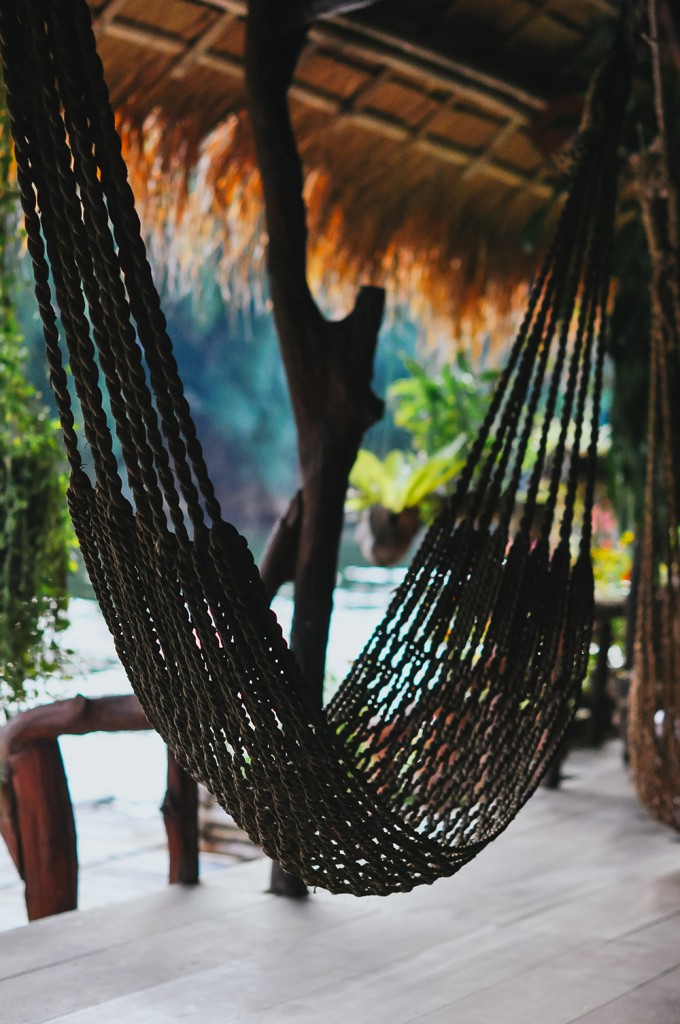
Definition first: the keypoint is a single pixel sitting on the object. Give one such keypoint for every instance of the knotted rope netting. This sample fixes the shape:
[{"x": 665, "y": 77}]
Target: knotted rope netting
[
  {"x": 456, "y": 706},
  {"x": 654, "y": 704},
  {"x": 654, "y": 707}
]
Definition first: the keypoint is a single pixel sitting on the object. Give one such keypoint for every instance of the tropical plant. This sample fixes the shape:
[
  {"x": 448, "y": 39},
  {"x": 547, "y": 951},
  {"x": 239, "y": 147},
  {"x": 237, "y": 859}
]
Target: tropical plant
[
  {"x": 442, "y": 414},
  {"x": 612, "y": 551},
  {"x": 436, "y": 410},
  {"x": 402, "y": 479},
  {"x": 35, "y": 537}
]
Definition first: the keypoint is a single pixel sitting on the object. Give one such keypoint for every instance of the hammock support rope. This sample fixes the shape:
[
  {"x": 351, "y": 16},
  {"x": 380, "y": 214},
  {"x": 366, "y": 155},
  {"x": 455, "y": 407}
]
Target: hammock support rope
[
  {"x": 654, "y": 702},
  {"x": 456, "y": 706}
]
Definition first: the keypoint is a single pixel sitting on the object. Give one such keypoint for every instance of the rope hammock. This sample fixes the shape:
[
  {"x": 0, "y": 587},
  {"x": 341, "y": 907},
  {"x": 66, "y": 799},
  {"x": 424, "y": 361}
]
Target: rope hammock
[
  {"x": 654, "y": 705},
  {"x": 459, "y": 701}
]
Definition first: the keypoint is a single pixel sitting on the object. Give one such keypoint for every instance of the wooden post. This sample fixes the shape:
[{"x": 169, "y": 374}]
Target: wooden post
[
  {"x": 36, "y": 815},
  {"x": 180, "y": 814},
  {"x": 600, "y": 702},
  {"x": 38, "y": 824},
  {"x": 328, "y": 365}
]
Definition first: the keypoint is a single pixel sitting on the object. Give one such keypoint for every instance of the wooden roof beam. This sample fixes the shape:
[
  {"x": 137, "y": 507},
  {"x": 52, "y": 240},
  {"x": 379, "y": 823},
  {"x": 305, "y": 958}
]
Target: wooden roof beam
[
  {"x": 379, "y": 123},
  {"x": 238, "y": 7},
  {"x": 559, "y": 17},
  {"x": 538, "y": 8},
  {"x": 106, "y": 15},
  {"x": 607, "y": 7},
  {"x": 503, "y": 133},
  {"x": 494, "y": 171},
  {"x": 423, "y": 127},
  {"x": 203, "y": 44},
  {"x": 153, "y": 39},
  {"x": 361, "y": 96},
  {"x": 481, "y": 88},
  {"x": 446, "y": 151}
]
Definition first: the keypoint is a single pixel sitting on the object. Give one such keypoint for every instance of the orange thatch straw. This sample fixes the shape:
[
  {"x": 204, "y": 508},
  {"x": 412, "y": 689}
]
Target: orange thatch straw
[{"x": 200, "y": 201}]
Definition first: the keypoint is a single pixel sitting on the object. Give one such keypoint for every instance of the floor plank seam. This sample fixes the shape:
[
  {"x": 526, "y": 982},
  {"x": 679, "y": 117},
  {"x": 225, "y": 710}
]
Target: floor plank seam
[
  {"x": 123, "y": 942},
  {"x": 643, "y": 927},
  {"x": 54, "y": 963},
  {"x": 586, "y": 892},
  {"x": 600, "y": 944},
  {"x": 622, "y": 995}
]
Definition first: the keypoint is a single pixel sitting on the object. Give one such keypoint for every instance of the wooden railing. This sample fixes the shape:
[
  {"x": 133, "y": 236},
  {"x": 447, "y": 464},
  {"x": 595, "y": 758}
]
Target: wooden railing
[{"x": 36, "y": 814}]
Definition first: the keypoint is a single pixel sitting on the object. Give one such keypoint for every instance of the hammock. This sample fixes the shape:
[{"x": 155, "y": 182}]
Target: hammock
[
  {"x": 654, "y": 705},
  {"x": 459, "y": 701}
]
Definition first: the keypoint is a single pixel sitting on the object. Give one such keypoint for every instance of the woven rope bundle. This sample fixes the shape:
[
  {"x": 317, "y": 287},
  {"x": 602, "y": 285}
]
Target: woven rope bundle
[
  {"x": 654, "y": 711},
  {"x": 450, "y": 715}
]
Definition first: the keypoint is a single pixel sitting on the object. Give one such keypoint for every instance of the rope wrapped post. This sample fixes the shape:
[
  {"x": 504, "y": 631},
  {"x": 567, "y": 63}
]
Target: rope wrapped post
[
  {"x": 654, "y": 706},
  {"x": 654, "y": 709}
]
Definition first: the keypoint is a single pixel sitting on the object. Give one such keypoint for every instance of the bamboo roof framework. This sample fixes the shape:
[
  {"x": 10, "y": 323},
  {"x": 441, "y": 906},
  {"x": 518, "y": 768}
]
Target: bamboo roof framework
[{"x": 427, "y": 132}]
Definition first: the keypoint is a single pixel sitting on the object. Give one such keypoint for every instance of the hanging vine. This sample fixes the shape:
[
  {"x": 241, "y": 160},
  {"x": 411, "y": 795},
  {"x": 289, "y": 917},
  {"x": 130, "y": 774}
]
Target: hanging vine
[{"x": 35, "y": 537}]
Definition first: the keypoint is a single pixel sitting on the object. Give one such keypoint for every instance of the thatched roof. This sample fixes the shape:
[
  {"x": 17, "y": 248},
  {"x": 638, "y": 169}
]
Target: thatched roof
[{"x": 427, "y": 128}]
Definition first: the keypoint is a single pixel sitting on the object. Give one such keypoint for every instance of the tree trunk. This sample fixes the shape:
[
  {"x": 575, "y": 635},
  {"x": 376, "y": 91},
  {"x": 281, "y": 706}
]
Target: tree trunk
[{"x": 328, "y": 364}]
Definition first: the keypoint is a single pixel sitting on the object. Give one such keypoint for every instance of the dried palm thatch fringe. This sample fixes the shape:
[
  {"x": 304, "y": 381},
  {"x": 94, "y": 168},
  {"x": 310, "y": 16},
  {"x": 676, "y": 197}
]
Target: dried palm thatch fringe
[
  {"x": 456, "y": 706},
  {"x": 654, "y": 711},
  {"x": 200, "y": 203}
]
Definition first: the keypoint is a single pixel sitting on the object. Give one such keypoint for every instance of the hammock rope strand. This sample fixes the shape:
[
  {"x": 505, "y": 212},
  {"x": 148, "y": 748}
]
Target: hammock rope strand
[{"x": 447, "y": 719}]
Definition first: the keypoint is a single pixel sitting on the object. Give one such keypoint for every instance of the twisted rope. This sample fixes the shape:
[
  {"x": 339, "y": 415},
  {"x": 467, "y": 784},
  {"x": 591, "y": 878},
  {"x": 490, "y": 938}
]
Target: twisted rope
[{"x": 455, "y": 707}]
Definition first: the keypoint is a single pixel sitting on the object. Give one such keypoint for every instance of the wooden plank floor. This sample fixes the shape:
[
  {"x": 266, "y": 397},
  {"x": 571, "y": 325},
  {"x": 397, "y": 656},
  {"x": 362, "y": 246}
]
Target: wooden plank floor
[{"x": 572, "y": 915}]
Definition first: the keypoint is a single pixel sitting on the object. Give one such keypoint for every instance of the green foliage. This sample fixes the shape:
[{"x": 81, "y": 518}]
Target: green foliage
[
  {"x": 441, "y": 414},
  {"x": 435, "y": 410},
  {"x": 402, "y": 479},
  {"x": 35, "y": 538}
]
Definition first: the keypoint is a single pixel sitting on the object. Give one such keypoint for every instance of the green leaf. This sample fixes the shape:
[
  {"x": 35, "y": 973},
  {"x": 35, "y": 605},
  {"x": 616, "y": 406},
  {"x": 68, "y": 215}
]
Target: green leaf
[
  {"x": 402, "y": 479},
  {"x": 36, "y": 540},
  {"x": 431, "y": 476}
]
